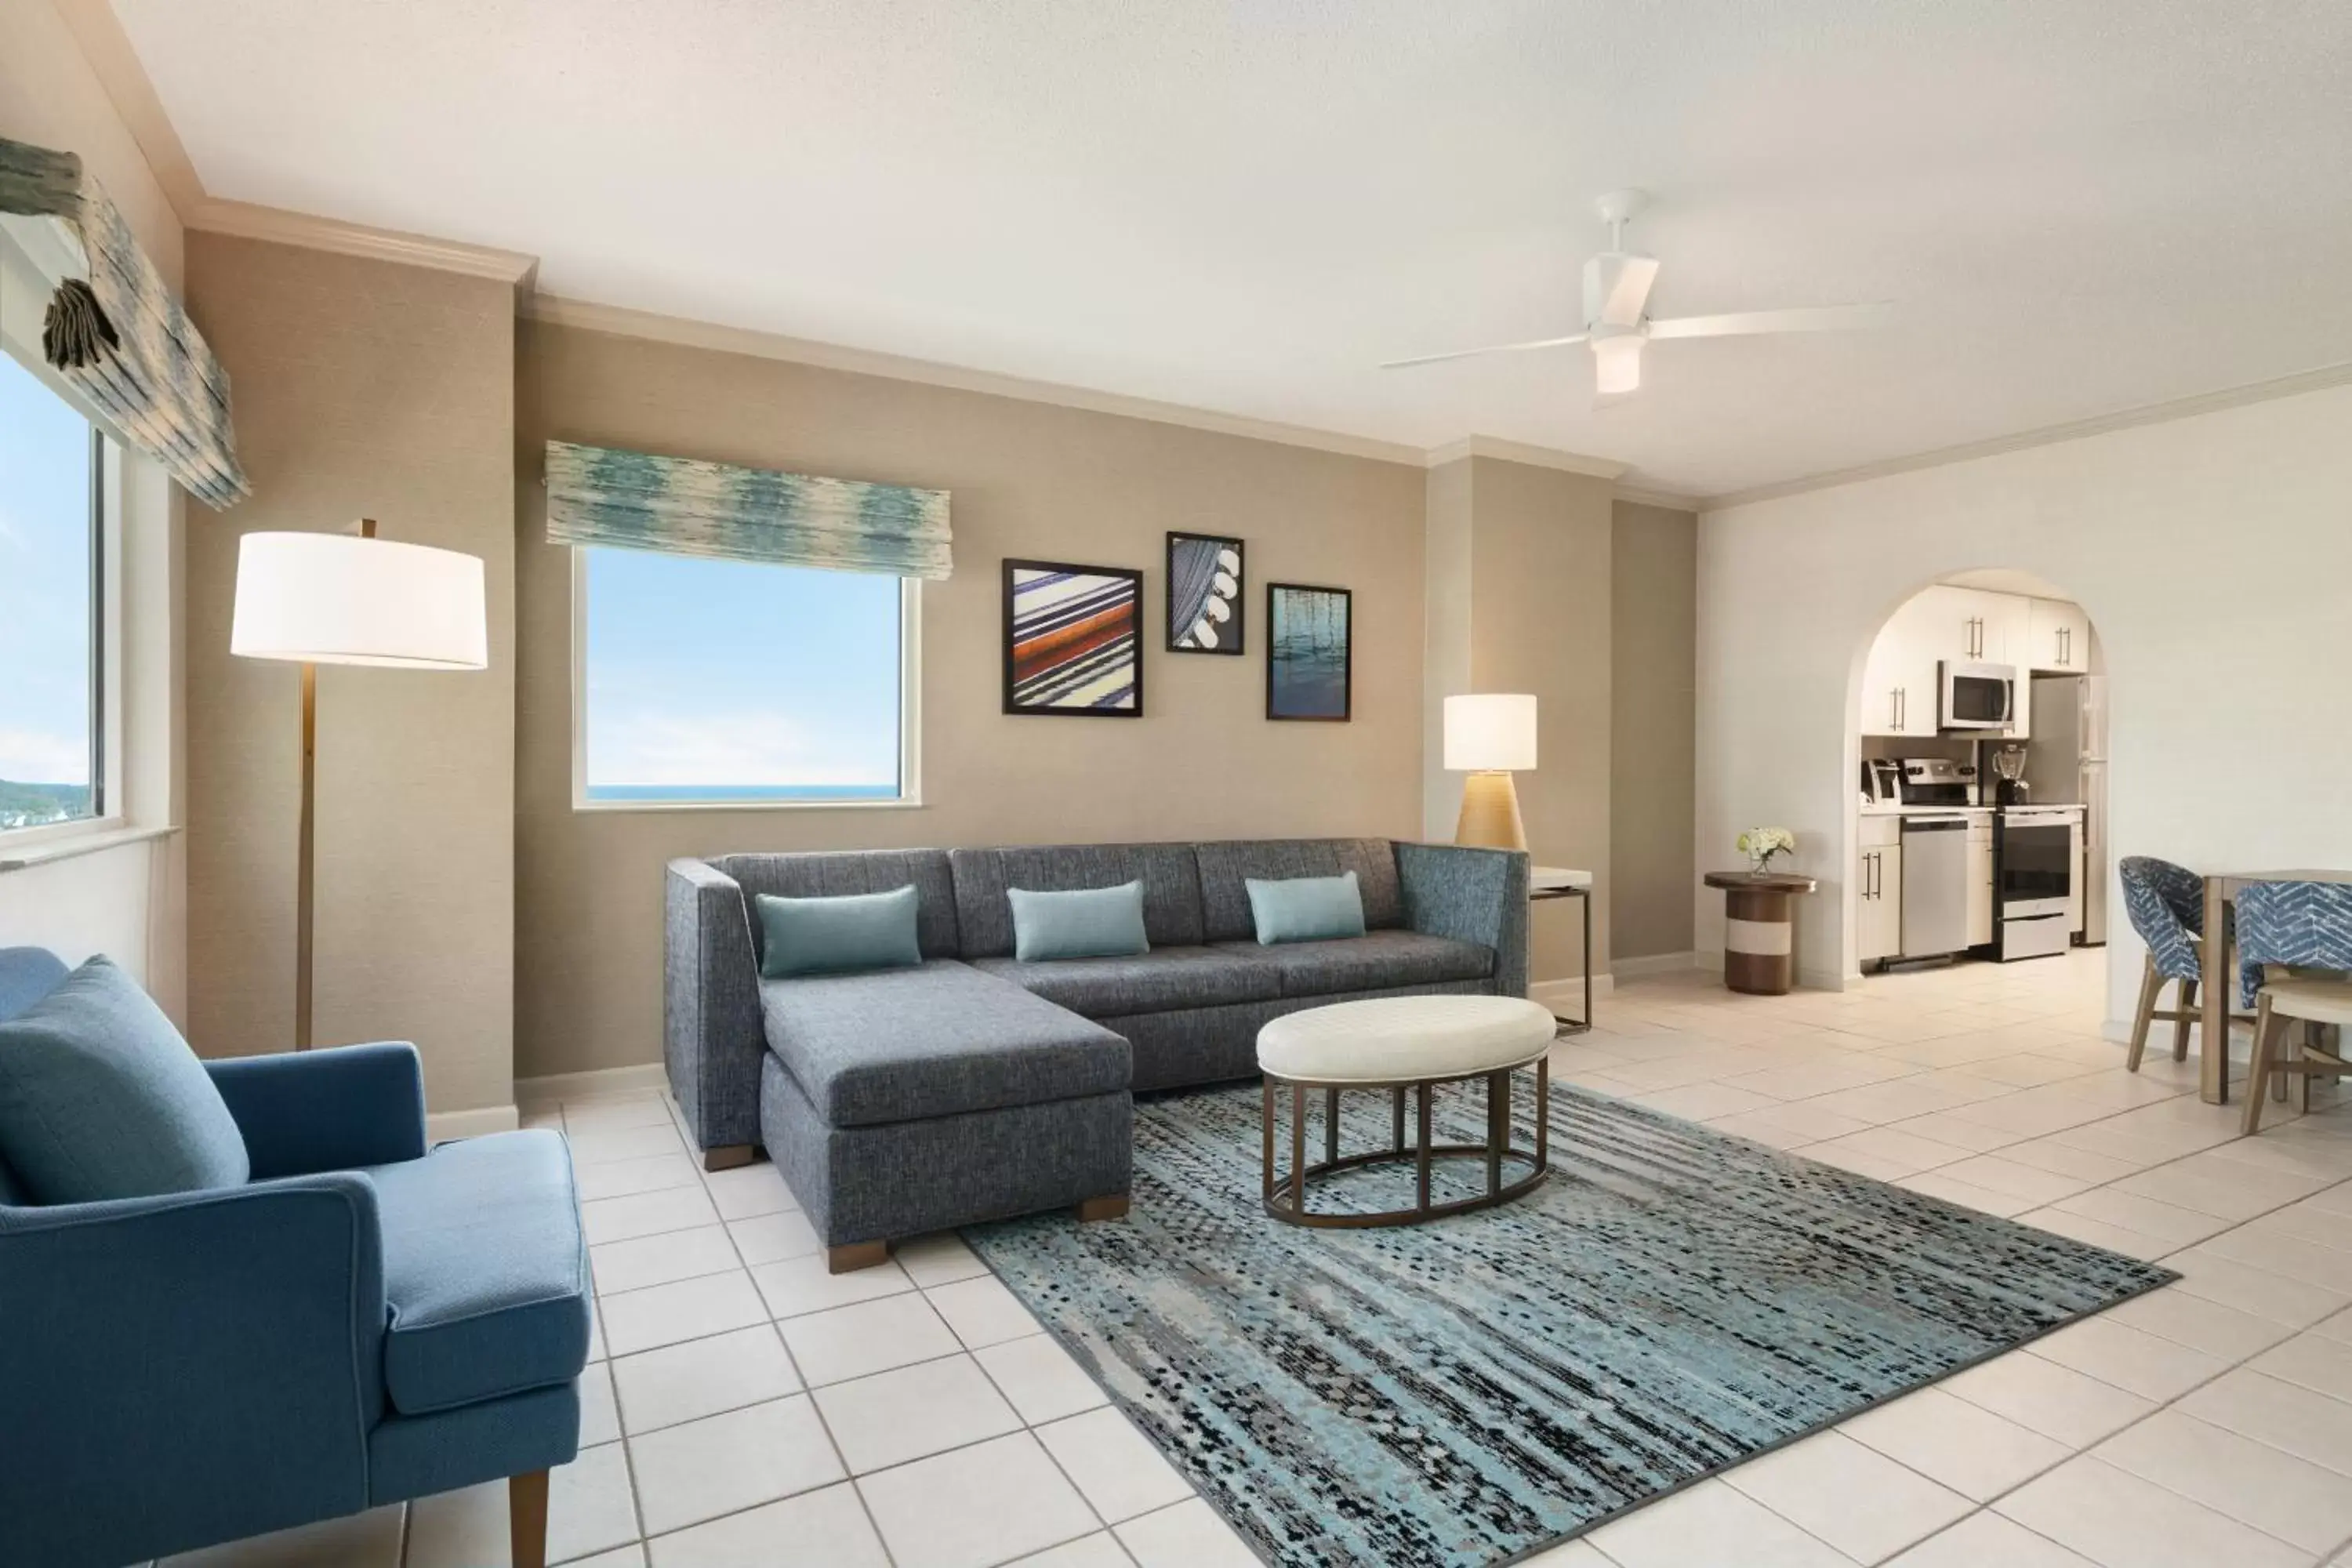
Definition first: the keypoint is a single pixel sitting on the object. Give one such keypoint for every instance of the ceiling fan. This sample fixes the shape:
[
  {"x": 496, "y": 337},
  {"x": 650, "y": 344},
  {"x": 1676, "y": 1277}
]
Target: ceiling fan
[{"x": 1616, "y": 297}]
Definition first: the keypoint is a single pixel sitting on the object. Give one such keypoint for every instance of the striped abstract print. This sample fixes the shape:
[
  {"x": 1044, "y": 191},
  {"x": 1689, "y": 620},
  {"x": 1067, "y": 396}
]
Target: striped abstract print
[
  {"x": 1672, "y": 1300},
  {"x": 1074, "y": 639}
]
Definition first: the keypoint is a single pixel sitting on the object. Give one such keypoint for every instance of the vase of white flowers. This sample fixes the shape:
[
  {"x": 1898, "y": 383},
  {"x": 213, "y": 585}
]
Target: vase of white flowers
[{"x": 1760, "y": 844}]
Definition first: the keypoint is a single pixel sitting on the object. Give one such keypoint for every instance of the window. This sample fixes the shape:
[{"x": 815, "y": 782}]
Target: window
[
  {"x": 704, "y": 682},
  {"x": 52, "y": 683}
]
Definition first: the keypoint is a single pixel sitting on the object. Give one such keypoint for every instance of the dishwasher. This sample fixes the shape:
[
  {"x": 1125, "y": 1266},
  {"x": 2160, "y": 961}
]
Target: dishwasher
[{"x": 1934, "y": 885}]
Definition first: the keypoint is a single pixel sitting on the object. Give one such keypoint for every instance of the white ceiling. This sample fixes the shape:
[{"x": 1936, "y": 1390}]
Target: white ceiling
[{"x": 2080, "y": 207}]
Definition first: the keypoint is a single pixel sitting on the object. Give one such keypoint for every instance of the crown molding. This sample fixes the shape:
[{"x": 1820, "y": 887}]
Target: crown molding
[
  {"x": 247, "y": 221},
  {"x": 99, "y": 34},
  {"x": 1533, "y": 456},
  {"x": 2319, "y": 380},
  {"x": 1668, "y": 499},
  {"x": 585, "y": 316}
]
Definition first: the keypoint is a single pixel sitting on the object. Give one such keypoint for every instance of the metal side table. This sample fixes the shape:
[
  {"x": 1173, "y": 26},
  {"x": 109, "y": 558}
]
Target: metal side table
[{"x": 1547, "y": 882}]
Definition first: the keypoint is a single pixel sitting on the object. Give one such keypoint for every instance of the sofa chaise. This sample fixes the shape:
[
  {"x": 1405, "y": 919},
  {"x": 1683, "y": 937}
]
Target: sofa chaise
[{"x": 976, "y": 1086}]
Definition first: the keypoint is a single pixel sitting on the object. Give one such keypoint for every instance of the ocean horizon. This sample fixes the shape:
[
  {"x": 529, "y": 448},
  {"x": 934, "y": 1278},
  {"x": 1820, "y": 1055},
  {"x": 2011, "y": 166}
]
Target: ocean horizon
[{"x": 743, "y": 791}]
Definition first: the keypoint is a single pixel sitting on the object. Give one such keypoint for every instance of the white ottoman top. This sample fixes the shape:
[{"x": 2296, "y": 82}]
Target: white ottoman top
[{"x": 1391, "y": 1038}]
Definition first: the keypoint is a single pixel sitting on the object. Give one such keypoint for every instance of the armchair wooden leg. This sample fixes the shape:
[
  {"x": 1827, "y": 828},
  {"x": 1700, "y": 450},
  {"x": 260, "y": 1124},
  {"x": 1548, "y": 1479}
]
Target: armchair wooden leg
[
  {"x": 1110, "y": 1205},
  {"x": 2180, "y": 1027},
  {"x": 2266, "y": 1030},
  {"x": 852, "y": 1256},
  {"x": 527, "y": 1520},
  {"x": 2150, "y": 983},
  {"x": 727, "y": 1156}
]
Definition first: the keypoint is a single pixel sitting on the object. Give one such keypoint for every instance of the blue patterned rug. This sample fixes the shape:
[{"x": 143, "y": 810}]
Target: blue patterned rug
[{"x": 1670, "y": 1302}]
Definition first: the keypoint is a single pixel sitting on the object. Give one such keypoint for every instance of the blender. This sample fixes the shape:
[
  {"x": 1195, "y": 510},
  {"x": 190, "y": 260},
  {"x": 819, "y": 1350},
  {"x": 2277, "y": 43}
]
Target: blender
[{"x": 2008, "y": 769}]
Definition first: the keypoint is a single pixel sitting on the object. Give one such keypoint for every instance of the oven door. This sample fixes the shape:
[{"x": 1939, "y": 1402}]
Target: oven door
[
  {"x": 1977, "y": 697},
  {"x": 2036, "y": 866}
]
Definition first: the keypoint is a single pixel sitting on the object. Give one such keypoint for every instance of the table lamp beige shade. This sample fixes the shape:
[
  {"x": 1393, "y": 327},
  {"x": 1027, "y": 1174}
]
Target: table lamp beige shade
[
  {"x": 1489, "y": 736},
  {"x": 338, "y": 598}
]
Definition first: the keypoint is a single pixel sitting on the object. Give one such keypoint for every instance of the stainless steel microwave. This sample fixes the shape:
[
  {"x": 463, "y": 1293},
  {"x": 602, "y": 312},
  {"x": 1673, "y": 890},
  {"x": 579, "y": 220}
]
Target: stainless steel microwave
[{"x": 1976, "y": 696}]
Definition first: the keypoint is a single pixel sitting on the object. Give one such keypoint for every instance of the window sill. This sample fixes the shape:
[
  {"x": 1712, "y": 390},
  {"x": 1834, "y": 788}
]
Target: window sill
[
  {"x": 598, "y": 807},
  {"x": 21, "y": 858}
]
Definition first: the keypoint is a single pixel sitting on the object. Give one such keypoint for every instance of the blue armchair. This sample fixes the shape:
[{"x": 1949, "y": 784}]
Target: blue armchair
[{"x": 364, "y": 1321}]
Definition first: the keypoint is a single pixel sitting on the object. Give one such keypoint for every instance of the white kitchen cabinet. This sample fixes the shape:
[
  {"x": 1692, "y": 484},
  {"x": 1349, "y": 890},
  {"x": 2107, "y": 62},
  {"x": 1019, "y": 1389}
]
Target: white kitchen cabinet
[
  {"x": 1878, "y": 889},
  {"x": 1898, "y": 683},
  {"x": 1979, "y": 884},
  {"x": 2058, "y": 637}
]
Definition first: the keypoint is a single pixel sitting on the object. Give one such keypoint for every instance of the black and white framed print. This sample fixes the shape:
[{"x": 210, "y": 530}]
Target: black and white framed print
[{"x": 1205, "y": 584}]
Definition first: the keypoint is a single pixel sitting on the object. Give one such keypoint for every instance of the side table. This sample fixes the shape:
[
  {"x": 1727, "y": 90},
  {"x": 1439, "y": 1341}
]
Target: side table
[
  {"x": 1758, "y": 948},
  {"x": 1547, "y": 882}
]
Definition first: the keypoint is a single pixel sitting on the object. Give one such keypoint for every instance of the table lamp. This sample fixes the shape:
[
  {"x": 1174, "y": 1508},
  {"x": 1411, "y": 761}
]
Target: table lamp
[
  {"x": 1489, "y": 736},
  {"x": 333, "y": 598}
]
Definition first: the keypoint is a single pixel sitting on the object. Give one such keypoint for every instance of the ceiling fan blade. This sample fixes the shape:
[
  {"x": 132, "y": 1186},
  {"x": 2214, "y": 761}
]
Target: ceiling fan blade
[
  {"x": 1495, "y": 348},
  {"x": 1617, "y": 288},
  {"x": 1738, "y": 323}
]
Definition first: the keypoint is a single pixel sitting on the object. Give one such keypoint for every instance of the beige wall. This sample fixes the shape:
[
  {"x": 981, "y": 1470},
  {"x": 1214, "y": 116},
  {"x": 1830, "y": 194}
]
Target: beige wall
[
  {"x": 129, "y": 901},
  {"x": 1654, "y": 636},
  {"x": 1518, "y": 562},
  {"x": 362, "y": 389},
  {"x": 1028, "y": 479}
]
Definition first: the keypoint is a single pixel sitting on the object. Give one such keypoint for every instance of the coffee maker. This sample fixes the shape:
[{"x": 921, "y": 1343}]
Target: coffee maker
[{"x": 2010, "y": 787}]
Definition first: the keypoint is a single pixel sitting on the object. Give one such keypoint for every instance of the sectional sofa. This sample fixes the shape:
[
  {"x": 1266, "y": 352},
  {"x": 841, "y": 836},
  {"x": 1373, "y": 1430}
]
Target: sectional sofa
[{"x": 974, "y": 1085}]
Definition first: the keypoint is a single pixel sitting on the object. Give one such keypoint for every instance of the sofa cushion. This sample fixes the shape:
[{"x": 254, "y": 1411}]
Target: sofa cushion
[
  {"x": 1226, "y": 868},
  {"x": 842, "y": 933},
  {"x": 1375, "y": 962},
  {"x": 101, "y": 1098},
  {"x": 1172, "y": 887},
  {"x": 825, "y": 875},
  {"x": 1080, "y": 922},
  {"x": 484, "y": 1271},
  {"x": 933, "y": 1041},
  {"x": 1307, "y": 909},
  {"x": 1164, "y": 979}
]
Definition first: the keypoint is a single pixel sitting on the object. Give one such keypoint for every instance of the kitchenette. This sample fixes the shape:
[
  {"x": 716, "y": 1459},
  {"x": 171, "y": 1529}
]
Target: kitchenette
[{"x": 1982, "y": 739}]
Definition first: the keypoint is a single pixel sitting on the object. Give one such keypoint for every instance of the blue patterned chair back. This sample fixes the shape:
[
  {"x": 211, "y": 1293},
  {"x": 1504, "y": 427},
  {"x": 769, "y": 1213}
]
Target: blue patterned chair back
[
  {"x": 2306, "y": 925},
  {"x": 2167, "y": 906}
]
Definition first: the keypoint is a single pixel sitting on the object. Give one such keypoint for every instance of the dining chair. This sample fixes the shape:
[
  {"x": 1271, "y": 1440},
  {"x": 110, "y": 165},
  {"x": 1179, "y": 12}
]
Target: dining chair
[
  {"x": 2167, "y": 906},
  {"x": 2295, "y": 955}
]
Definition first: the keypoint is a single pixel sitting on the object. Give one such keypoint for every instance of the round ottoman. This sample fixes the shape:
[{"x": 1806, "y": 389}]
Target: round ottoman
[{"x": 1396, "y": 1044}]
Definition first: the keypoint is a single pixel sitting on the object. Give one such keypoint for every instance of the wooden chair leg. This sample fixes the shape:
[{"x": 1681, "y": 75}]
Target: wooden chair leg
[
  {"x": 2150, "y": 983},
  {"x": 527, "y": 1520},
  {"x": 2265, "y": 1038},
  {"x": 2305, "y": 1036},
  {"x": 2180, "y": 1027}
]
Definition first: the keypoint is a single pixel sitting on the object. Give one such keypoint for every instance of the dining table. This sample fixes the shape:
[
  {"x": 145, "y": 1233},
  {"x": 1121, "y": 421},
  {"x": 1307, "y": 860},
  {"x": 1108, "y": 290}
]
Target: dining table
[{"x": 2218, "y": 989}]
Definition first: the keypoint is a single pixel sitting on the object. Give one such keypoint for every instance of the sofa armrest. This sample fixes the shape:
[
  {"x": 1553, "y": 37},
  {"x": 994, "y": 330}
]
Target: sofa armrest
[
  {"x": 711, "y": 1034},
  {"x": 187, "y": 1368},
  {"x": 332, "y": 1110},
  {"x": 1471, "y": 895}
]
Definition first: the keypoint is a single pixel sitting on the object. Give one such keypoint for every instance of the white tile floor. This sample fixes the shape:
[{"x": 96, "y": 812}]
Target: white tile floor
[{"x": 749, "y": 1408}]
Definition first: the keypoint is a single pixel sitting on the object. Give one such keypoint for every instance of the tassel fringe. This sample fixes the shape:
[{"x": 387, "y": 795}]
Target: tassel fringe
[{"x": 76, "y": 333}]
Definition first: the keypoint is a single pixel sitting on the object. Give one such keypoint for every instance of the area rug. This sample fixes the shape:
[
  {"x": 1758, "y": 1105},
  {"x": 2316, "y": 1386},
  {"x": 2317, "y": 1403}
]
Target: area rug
[{"x": 1671, "y": 1301}]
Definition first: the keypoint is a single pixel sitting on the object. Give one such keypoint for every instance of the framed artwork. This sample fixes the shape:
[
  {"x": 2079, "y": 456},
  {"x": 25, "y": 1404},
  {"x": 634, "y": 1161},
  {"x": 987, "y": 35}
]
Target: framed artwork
[
  {"x": 1073, "y": 640},
  {"x": 1204, "y": 593},
  {"x": 1309, "y": 655}
]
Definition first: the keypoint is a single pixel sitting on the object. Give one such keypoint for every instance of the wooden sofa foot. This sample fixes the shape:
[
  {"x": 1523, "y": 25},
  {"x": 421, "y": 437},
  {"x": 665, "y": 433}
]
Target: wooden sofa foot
[
  {"x": 856, "y": 1255},
  {"x": 727, "y": 1156},
  {"x": 1110, "y": 1205},
  {"x": 527, "y": 1520}
]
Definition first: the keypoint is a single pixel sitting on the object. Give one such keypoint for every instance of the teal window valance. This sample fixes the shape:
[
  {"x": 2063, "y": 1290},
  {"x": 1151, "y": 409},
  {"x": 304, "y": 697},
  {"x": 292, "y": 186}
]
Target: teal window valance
[
  {"x": 596, "y": 495},
  {"x": 115, "y": 331}
]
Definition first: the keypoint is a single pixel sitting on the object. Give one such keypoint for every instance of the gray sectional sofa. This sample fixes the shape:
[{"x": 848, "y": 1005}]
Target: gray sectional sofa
[{"x": 975, "y": 1085}]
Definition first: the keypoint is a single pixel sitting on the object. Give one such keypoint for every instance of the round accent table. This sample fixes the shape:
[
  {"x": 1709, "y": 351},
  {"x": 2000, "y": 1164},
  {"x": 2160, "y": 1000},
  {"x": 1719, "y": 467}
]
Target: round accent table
[
  {"x": 1399, "y": 1043},
  {"x": 1758, "y": 949}
]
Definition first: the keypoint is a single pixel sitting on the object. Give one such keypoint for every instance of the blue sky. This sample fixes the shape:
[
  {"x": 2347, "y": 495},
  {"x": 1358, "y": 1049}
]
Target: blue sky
[
  {"x": 45, "y": 697},
  {"x": 713, "y": 673}
]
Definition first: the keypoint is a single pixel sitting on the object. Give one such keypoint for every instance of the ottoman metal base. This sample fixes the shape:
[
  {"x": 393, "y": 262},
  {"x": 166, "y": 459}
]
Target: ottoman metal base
[{"x": 1285, "y": 1195}]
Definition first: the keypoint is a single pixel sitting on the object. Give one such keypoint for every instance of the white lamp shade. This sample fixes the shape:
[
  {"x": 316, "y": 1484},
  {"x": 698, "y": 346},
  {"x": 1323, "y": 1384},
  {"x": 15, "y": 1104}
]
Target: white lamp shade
[
  {"x": 331, "y": 598},
  {"x": 1491, "y": 732}
]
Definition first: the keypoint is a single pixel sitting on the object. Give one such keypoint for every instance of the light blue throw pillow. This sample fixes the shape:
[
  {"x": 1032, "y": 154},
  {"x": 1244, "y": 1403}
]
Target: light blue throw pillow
[
  {"x": 838, "y": 936},
  {"x": 101, "y": 1098},
  {"x": 1090, "y": 922},
  {"x": 1305, "y": 909}
]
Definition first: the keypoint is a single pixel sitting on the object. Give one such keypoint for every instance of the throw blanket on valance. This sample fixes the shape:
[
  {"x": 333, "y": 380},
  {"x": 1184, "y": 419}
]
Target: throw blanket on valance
[
  {"x": 682, "y": 507},
  {"x": 118, "y": 334}
]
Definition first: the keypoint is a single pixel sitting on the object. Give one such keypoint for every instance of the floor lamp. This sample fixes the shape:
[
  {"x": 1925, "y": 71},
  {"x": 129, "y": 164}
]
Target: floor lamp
[
  {"x": 1489, "y": 736},
  {"x": 339, "y": 598}
]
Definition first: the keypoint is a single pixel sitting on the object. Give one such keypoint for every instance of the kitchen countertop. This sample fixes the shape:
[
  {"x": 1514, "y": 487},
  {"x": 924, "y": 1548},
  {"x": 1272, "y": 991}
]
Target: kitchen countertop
[{"x": 1986, "y": 812}]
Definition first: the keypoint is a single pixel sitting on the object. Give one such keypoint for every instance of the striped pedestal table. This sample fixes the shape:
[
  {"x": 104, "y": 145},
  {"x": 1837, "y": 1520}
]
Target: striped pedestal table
[{"x": 1758, "y": 947}]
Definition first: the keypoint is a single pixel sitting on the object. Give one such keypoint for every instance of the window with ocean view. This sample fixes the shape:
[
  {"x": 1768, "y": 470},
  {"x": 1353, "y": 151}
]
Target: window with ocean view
[
  {"x": 708, "y": 682},
  {"x": 50, "y": 768}
]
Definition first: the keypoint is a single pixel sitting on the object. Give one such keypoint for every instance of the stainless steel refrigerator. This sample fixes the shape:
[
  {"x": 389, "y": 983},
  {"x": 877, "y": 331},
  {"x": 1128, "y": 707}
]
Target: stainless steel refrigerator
[{"x": 2066, "y": 765}]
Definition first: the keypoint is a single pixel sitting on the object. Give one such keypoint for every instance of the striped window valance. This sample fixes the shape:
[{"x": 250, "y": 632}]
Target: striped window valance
[
  {"x": 114, "y": 330},
  {"x": 596, "y": 495}
]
